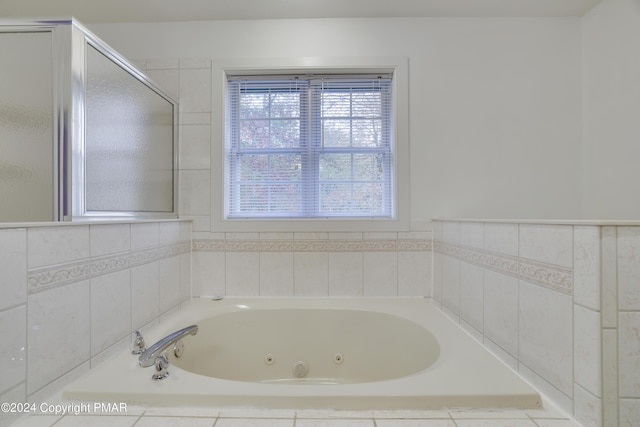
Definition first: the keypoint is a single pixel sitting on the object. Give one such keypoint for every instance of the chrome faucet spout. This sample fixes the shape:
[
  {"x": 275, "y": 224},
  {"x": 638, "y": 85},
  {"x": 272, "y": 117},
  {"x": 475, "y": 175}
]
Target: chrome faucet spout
[{"x": 149, "y": 356}]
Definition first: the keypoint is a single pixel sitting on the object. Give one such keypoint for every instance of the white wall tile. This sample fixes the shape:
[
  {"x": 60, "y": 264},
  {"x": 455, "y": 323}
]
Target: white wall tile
[
  {"x": 438, "y": 260},
  {"x": 437, "y": 230},
  {"x": 170, "y": 285},
  {"x": 276, "y": 274},
  {"x": 185, "y": 276},
  {"x": 629, "y": 413},
  {"x": 110, "y": 309},
  {"x": 242, "y": 236},
  {"x": 472, "y": 295},
  {"x": 13, "y": 353},
  {"x": 56, "y": 245},
  {"x": 66, "y": 323},
  {"x": 472, "y": 234},
  {"x": 58, "y": 332},
  {"x": 629, "y": 354},
  {"x": 145, "y": 294},
  {"x": 195, "y": 63},
  {"x": 609, "y": 269},
  {"x": 346, "y": 273},
  {"x": 586, "y": 266},
  {"x": 139, "y": 63},
  {"x": 552, "y": 244},
  {"x": 186, "y": 230},
  {"x": 13, "y": 267},
  {"x": 194, "y": 118},
  {"x": 195, "y": 90},
  {"x": 209, "y": 272},
  {"x": 195, "y": 147},
  {"x": 451, "y": 232},
  {"x": 311, "y": 273},
  {"x": 587, "y": 408},
  {"x": 276, "y": 236},
  {"x": 170, "y": 233},
  {"x": 628, "y": 268},
  {"x": 501, "y": 238},
  {"x": 162, "y": 64},
  {"x": 587, "y": 348},
  {"x": 167, "y": 80},
  {"x": 144, "y": 236},
  {"x": 243, "y": 274},
  {"x": 109, "y": 239},
  {"x": 379, "y": 235},
  {"x": 199, "y": 222},
  {"x": 195, "y": 192},
  {"x": 546, "y": 334},
  {"x": 415, "y": 235},
  {"x": 610, "y": 377},
  {"x": 501, "y": 310},
  {"x": 451, "y": 283},
  {"x": 414, "y": 274},
  {"x": 310, "y": 236},
  {"x": 380, "y": 277}
]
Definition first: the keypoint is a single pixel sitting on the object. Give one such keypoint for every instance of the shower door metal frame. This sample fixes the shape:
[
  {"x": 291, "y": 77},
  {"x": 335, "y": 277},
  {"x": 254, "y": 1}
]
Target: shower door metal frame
[{"x": 70, "y": 41}]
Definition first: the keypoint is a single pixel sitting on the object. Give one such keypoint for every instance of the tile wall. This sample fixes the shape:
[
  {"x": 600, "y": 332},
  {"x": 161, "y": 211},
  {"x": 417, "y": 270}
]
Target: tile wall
[
  {"x": 620, "y": 305},
  {"x": 312, "y": 264},
  {"x": 71, "y": 295},
  {"x": 560, "y": 304},
  {"x": 190, "y": 81}
]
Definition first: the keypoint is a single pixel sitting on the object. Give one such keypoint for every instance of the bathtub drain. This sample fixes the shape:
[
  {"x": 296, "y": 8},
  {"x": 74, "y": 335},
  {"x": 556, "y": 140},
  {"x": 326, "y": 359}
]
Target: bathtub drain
[{"x": 300, "y": 369}]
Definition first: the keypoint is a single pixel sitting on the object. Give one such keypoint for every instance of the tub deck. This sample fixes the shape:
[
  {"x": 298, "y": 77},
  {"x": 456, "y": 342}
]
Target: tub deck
[{"x": 465, "y": 375}]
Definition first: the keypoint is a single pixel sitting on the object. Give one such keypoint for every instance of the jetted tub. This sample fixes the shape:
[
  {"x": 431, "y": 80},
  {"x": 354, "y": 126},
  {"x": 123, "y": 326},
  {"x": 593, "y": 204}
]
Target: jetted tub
[{"x": 399, "y": 353}]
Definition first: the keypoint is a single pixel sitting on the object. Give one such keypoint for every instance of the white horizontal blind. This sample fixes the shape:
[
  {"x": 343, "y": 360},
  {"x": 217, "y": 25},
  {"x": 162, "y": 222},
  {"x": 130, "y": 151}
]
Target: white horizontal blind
[{"x": 309, "y": 146}]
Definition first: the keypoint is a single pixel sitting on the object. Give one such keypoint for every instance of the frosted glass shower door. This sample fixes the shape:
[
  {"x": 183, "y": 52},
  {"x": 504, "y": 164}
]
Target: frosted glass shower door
[
  {"x": 129, "y": 146},
  {"x": 26, "y": 127}
]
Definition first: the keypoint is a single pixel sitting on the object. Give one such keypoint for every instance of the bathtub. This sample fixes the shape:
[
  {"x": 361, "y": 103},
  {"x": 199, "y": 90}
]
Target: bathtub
[{"x": 343, "y": 354}]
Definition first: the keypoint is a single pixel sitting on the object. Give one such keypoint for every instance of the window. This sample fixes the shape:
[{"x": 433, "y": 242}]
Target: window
[{"x": 309, "y": 146}]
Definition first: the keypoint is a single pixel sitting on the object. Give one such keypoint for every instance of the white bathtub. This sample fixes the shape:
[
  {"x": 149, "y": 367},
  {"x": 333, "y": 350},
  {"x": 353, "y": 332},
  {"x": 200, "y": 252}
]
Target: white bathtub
[{"x": 359, "y": 354}]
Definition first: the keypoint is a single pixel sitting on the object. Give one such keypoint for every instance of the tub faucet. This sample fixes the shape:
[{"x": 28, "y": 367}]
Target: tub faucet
[
  {"x": 138, "y": 344},
  {"x": 154, "y": 354}
]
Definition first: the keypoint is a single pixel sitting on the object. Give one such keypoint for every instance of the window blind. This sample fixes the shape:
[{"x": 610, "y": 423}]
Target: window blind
[{"x": 309, "y": 146}]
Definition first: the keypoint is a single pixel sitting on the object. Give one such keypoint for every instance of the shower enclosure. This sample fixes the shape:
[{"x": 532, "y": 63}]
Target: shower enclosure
[{"x": 83, "y": 133}]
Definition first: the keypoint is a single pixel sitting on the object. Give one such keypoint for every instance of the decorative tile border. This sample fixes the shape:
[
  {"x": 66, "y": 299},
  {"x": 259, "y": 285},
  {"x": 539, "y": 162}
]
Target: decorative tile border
[
  {"x": 311, "y": 245},
  {"x": 42, "y": 278},
  {"x": 550, "y": 276}
]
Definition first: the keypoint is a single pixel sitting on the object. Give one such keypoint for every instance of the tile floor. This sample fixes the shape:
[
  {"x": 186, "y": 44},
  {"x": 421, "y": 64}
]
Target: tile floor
[{"x": 139, "y": 416}]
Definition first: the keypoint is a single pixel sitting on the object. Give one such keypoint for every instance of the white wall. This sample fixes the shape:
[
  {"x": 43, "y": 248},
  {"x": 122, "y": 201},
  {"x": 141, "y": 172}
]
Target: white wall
[
  {"x": 611, "y": 63},
  {"x": 495, "y": 104}
]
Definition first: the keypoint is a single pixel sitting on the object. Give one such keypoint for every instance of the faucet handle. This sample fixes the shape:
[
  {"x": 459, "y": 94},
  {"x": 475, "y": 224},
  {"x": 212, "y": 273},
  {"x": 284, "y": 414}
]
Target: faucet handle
[
  {"x": 138, "y": 344},
  {"x": 162, "y": 368}
]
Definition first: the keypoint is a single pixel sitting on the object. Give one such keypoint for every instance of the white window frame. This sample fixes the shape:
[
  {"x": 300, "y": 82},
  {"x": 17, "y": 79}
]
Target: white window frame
[{"x": 398, "y": 66}]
